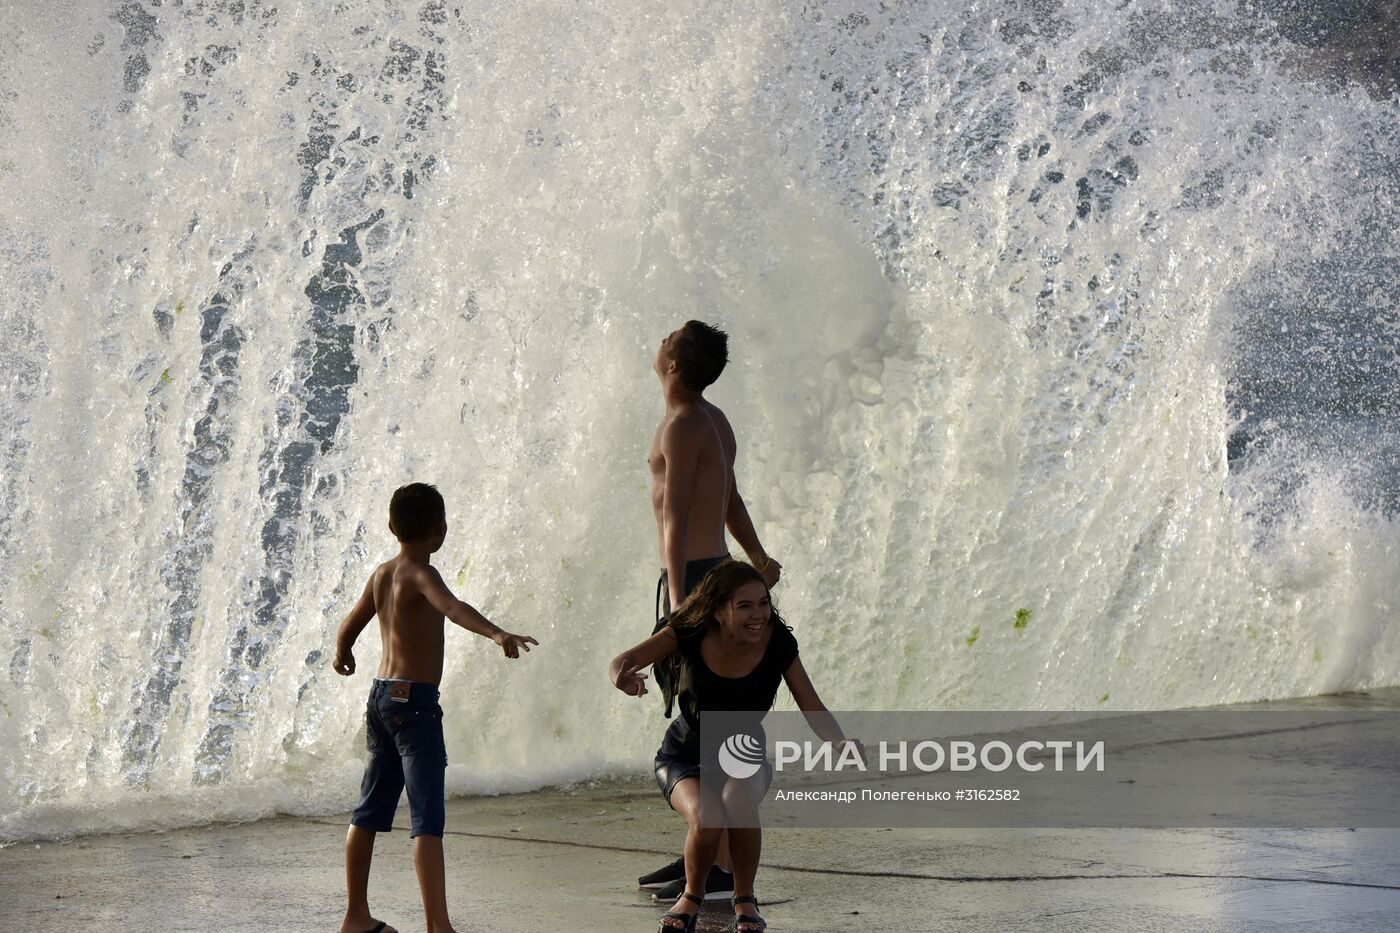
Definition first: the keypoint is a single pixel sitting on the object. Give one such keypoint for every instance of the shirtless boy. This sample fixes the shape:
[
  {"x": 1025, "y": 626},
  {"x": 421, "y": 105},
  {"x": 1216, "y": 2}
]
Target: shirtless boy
[
  {"x": 696, "y": 497},
  {"x": 403, "y": 720}
]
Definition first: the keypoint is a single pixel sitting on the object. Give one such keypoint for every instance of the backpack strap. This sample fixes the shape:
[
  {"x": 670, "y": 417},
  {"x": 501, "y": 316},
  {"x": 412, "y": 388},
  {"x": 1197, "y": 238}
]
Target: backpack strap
[{"x": 666, "y": 683}]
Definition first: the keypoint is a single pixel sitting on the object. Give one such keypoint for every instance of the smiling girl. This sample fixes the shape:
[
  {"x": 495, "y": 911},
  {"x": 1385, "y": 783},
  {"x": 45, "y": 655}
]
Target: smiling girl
[{"x": 735, "y": 650}]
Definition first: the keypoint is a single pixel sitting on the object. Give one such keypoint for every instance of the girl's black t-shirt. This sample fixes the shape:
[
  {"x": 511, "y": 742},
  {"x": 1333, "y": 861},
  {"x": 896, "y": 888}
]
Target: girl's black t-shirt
[{"x": 700, "y": 688}]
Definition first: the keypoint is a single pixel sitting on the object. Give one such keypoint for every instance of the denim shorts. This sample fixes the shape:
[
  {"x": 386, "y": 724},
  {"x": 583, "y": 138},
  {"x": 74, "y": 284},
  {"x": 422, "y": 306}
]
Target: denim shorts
[{"x": 406, "y": 750}]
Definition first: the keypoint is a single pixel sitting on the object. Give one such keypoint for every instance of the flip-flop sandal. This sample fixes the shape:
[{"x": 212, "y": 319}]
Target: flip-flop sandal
[
  {"x": 756, "y": 923},
  {"x": 688, "y": 919}
]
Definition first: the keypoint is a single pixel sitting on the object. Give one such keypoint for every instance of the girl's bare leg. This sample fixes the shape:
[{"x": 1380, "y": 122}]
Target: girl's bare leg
[
  {"x": 701, "y": 841},
  {"x": 741, "y": 800}
]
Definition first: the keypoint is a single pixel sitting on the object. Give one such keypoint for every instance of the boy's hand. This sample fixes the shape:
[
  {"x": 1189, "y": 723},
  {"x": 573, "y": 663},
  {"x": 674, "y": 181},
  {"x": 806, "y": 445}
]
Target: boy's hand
[
  {"x": 344, "y": 663},
  {"x": 511, "y": 644},
  {"x": 632, "y": 682}
]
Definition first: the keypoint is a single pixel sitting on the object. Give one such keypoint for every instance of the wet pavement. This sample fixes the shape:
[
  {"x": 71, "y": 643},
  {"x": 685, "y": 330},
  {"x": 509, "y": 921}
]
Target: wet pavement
[{"x": 567, "y": 859}]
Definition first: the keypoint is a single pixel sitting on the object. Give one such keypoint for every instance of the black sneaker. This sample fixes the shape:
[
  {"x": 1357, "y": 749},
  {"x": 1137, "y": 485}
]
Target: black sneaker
[
  {"x": 719, "y": 886},
  {"x": 663, "y": 875}
]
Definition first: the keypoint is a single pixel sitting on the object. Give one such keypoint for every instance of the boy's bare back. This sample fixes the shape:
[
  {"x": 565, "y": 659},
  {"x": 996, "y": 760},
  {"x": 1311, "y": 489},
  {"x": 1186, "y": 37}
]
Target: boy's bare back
[{"x": 410, "y": 629}]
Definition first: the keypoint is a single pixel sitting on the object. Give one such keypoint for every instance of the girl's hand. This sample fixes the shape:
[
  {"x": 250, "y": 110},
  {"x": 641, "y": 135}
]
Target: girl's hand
[
  {"x": 859, "y": 747},
  {"x": 632, "y": 682}
]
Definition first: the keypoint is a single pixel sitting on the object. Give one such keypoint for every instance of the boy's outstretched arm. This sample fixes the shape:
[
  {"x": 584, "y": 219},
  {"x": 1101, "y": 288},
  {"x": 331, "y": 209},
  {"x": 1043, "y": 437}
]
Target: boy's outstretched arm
[
  {"x": 350, "y": 628},
  {"x": 440, "y": 598}
]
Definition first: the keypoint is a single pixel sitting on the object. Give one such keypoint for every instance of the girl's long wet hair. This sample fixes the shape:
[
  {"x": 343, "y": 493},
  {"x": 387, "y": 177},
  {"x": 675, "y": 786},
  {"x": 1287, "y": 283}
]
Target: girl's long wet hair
[{"x": 697, "y": 613}]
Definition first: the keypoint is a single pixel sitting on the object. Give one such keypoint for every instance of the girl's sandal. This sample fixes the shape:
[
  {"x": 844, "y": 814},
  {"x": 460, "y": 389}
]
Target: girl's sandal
[
  {"x": 689, "y": 920},
  {"x": 755, "y": 922}
]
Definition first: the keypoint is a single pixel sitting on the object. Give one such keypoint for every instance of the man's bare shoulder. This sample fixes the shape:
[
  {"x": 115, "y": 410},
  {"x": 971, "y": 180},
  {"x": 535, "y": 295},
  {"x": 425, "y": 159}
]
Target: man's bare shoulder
[
  {"x": 689, "y": 427},
  {"x": 721, "y": 425},
  {"x": 717, "y": 415},
  {"x": 713, "y": 410}
]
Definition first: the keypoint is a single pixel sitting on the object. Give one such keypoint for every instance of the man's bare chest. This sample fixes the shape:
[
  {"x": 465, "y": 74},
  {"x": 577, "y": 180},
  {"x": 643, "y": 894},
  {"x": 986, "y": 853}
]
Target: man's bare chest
[{"x": 656, "y": 460}]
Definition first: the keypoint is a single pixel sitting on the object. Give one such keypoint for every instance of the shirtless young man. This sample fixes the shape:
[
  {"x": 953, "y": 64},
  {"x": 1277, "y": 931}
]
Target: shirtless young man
[{"x": 695, "y": 497}]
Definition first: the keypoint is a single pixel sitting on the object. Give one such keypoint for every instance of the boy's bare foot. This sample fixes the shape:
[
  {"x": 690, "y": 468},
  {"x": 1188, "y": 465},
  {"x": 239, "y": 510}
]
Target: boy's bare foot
[{"x": 360, "y": 925}]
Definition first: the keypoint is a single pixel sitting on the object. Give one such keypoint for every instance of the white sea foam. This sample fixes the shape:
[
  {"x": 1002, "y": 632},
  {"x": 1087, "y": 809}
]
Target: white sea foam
[{"x": 983, "y": 266}]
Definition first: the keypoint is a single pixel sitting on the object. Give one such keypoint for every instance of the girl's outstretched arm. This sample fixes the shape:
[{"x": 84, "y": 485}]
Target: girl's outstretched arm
[
  {"x": 625, "y": 671},
  {"x": 822, "y": 722}
]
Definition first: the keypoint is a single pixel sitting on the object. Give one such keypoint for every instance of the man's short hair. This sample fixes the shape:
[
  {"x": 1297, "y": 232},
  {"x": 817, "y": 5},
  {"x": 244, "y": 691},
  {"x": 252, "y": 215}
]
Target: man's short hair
[
  {"x": 701, "y": 352},
  {"x": 415, "y": 511}
]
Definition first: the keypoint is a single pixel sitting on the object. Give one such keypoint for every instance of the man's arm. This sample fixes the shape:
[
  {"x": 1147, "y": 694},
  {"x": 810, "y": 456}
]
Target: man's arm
[
  {"x": 681, "y": 451},
  {"x": 741, "y": 527},
  {"x": 440, "y": 598},
  {"x": 350, "y": 628}
]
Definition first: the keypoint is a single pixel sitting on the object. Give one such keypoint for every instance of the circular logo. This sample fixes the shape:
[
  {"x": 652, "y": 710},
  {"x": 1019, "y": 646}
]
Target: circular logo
[{"x": 741, "y": 756}]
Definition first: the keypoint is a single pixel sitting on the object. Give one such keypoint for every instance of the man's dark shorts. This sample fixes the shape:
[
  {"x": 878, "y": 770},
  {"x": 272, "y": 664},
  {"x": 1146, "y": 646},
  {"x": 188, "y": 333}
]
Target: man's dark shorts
[
  {"x": 406, "y": 749},
  {"x": 695, "y": 571}
]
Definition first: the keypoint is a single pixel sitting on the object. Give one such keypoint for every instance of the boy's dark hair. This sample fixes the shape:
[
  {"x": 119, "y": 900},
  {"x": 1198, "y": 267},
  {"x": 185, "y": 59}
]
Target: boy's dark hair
[
  {"x": 701, "y": 351},
  {"x": 415, "y": 511}
]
